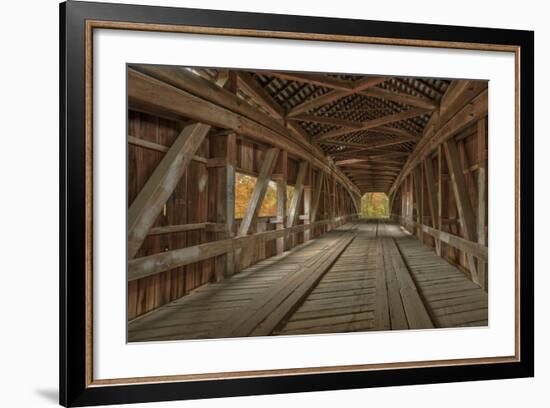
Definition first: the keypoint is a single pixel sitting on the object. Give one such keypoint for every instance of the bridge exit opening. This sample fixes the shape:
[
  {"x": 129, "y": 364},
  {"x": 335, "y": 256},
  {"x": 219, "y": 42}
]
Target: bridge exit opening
[{"x": 375, "y": 205}]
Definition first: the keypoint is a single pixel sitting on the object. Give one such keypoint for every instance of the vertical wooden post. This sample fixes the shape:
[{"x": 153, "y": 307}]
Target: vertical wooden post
[
  {"x": 334, "y": 210},
  {"x": 296, "y": 197},
  {"x": 421, "y": 184},
  {"x": 326, "y": 202},
  {"x": 439, "y": 196},
  {"x": 410, "y": 205},
  {"x": 432, "y": 198},
  {"x": 282, "y": 175},
  {"x": 481, "y": 196},
  {"x": 330, "y": 202},
  {"x": 221, "y": 197},
  {"x": 417, "y": 187},
  {"x": 404, "y": 202},
  {"x": 307, "y": 201},
  {"x": 230, "y": 197},
  {"x": 307, "y": 211},
  {"x": 317, "y": 195}
]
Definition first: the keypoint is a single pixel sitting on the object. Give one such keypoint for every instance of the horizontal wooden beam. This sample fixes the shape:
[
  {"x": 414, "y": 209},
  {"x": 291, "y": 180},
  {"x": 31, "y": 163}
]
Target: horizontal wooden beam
[
  {"x": 373, "y": 181},
  {"x": 153, "y": 264},
  {"x": 396, "y": 131},
  {"x": 369, "y": 164},
  {"x": 157, "y": 95},
  {"x": 360, "y": 168},
  {"x": 332, "y": 96},
  {"x": 375, "y": 123},
  {"x": 159, "y": 147},
  {"x": 185, "y": 80},
  {"x": 410, "y": 100},
  {"x": 325, "y": 120},
  {"x": 314, "y": 79},
  {"x": 172, "y": 229},
  {"x": 371, "y": 154},
  {"x": 470, "y": 247},
  {"x": 371, "y": 145},
  {"x": 372, "y": 176}
]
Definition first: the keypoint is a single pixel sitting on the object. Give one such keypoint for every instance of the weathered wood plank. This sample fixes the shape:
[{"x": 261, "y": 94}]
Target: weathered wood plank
[
  {"x": 150, "y": 200},
  {"x": 281, "y": 181},
  {"x": 432, "y": 196},
  {"x": 481, "y": 196},
  {"x": 153, "y": 264},
  {"x": 317, "y": 195},
  {"x": 416, "y": 313},
  {"x": 269, "y": 309},
  {"x": 381, "y": 309},
  {"x": 297, "y": 195},
  {"x": 417, "y": 188},
  {"x": 462, "y": 199},
  {"x": 270, "y": 159},
  {"x": 186, "y": 80},
  {"x": 398, "y": 318},
  {"x": 171, "y": 229}
]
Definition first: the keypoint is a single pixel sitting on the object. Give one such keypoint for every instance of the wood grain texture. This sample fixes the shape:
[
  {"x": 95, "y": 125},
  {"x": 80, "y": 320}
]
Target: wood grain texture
[{"x": 362, "y": 276}]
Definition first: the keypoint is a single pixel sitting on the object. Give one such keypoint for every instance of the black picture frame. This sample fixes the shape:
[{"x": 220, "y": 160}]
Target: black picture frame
[{"x": 74, "y": 389}]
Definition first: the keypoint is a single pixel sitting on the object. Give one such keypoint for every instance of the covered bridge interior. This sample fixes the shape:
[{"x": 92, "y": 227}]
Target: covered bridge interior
[{"x": 311, "y": 263}]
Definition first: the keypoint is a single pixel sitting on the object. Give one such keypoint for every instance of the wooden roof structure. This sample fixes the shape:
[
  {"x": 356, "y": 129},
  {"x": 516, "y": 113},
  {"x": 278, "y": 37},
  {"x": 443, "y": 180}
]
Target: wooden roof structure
[{"x": 365, "y": 124}]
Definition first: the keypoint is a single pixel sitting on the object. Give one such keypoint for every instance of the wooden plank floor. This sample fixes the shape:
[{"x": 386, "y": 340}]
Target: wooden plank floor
[
  {"x": 453, "y": 299},
  {"x": 364, "y": 276}
]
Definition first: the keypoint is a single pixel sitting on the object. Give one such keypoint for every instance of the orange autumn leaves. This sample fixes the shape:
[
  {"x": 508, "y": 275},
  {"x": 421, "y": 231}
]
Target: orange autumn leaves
[{"x": 244, "y": 186}]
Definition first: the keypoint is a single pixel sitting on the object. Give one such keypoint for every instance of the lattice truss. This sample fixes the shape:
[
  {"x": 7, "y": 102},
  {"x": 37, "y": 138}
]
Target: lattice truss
[{"x": 367, "y": 125}]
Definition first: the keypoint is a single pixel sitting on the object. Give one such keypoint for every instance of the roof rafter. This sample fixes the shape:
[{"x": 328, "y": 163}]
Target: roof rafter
[
  {"x": 315, "y": 79},
  {"x": 375, "y": 123},
  {"x": 360, "y": 85},
  {"x": 400, "y": 98},
  {"x": 371, "y": 145}
]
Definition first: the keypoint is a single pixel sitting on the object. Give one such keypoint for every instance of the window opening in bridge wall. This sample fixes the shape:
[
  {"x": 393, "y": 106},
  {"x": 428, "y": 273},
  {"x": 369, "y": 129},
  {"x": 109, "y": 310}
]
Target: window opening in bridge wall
[
  {"x": 375, "y": 205},
  {"x": 244, "y": 186}
]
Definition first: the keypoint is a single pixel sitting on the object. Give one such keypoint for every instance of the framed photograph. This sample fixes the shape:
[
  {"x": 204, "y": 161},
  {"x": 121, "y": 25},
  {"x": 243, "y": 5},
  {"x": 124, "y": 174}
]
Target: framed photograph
[{"x": 256, "y": 204}]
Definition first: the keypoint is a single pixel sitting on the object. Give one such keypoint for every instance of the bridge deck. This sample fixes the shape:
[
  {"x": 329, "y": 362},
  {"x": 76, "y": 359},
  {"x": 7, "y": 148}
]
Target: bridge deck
[{"x": 363, "y": 276}]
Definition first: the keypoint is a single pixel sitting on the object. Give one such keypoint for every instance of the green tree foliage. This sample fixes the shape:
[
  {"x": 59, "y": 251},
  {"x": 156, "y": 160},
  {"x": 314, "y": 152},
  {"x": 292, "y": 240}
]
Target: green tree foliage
[
  {"x": 375, "y": 205},
  {"x": 244, "y": 186}
]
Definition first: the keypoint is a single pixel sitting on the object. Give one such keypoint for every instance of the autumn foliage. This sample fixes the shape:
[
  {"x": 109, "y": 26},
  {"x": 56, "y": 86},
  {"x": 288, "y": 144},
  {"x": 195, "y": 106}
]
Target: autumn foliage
[
  {"x": 374, "y": 205},
  {"x": 244, "y": 186}
]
